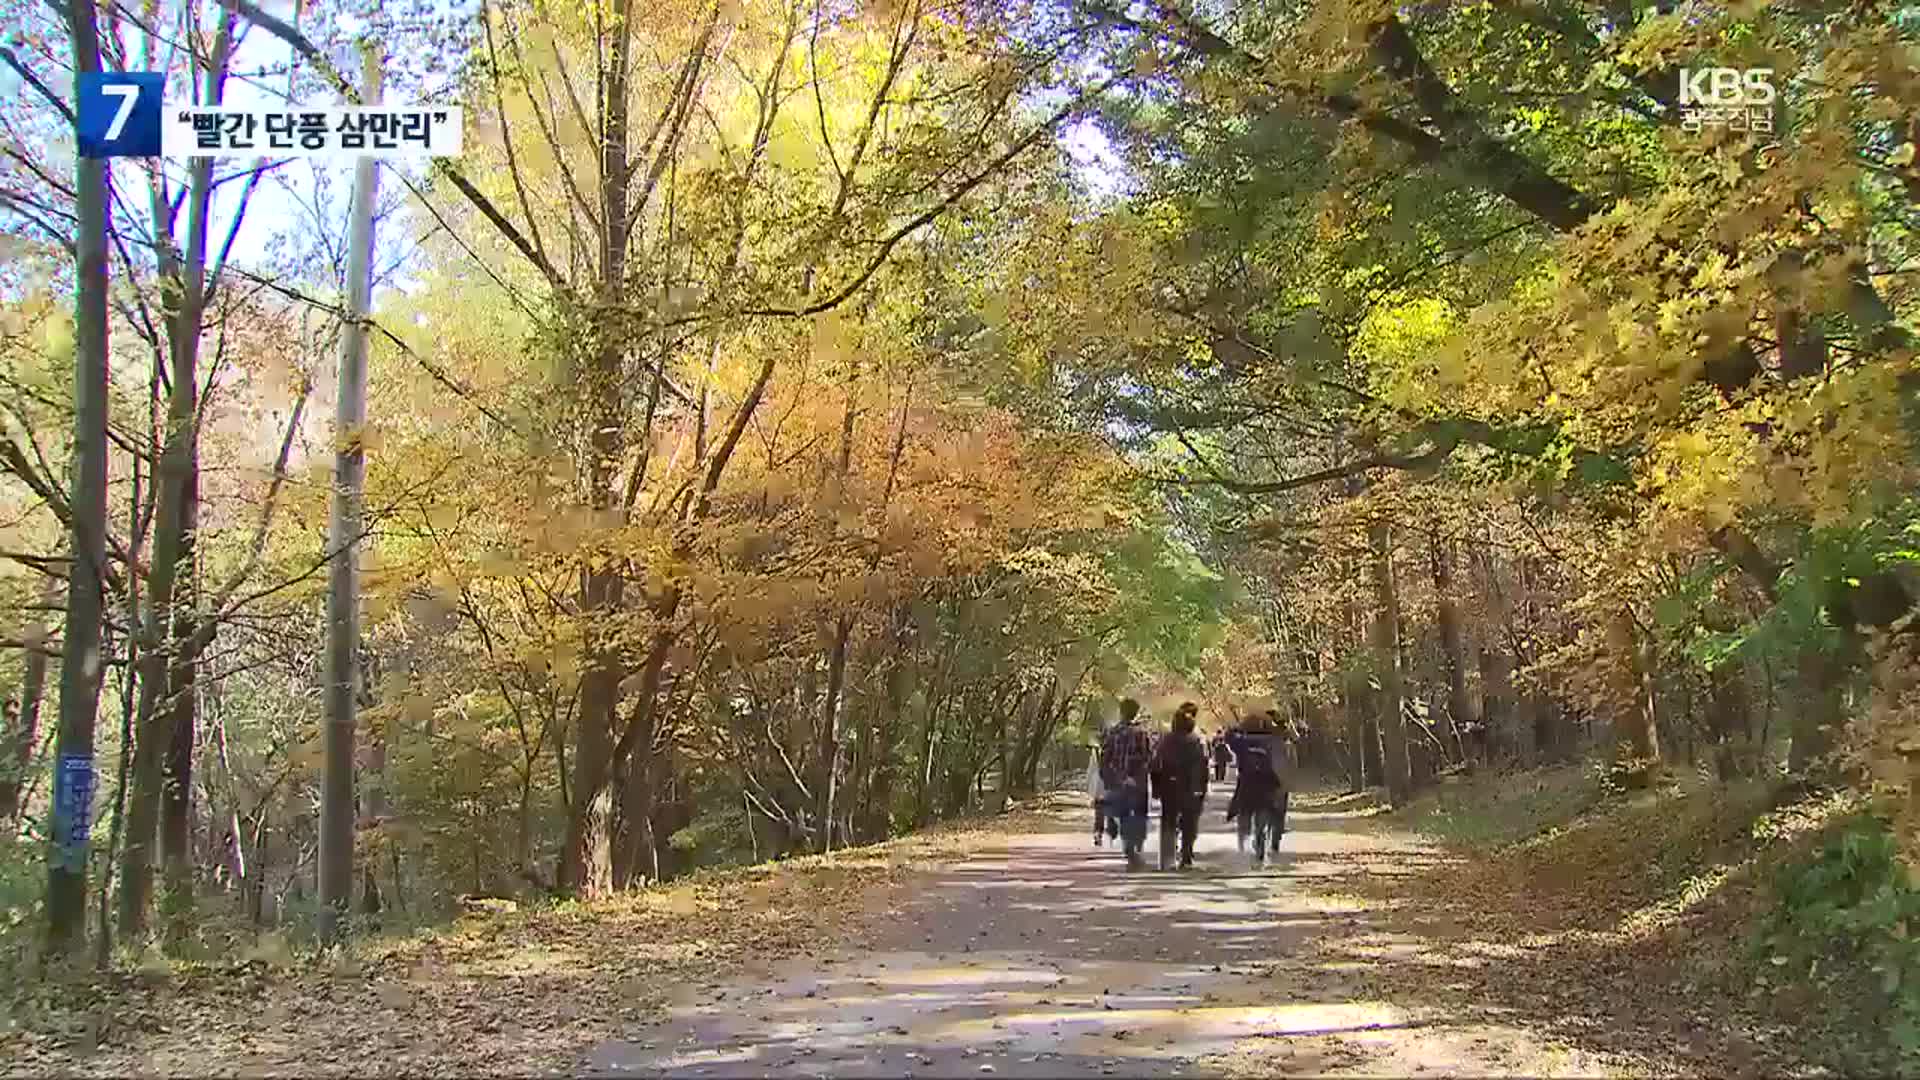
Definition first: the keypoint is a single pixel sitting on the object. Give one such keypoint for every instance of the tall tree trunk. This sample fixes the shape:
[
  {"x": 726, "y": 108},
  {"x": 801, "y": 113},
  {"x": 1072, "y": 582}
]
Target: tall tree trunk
[
  {"x": 586, "y": 853},
  {"x": 1631, "y": 697},
  {"x": 1354, "y": 701},
  {"x": 673, "y": 808},
  {"x": 881, "y": 769},
  {"x": 929, "y": 741},
  {"x": 1386, "y": 655},
  {"x": 234, "y": 849},
  {"x": 634, "y": 847},
  {"x": 167, "y": 626},
  {"x": 1029, "y": 751},
  {"x": 585, "y": 865},
  {"x": 176, "y": 807},
  {"x": 103, "y": 941},
  {"x": 1509, "y": 726},
  {"x": 1822, "y": 677},
  {"x": 22, "y": 735},
  {"x": 376, "y": 816},
  {"x": 337, "y": 810},
  {"x": 1728, "y": 707},
  {"x": 1452, "y": 646},
  {"x": 80, "y": 659},
  {"x": 827, "y": 753},
  {"x": 642, "y": 822},
  {"x": 1504, "y": 735}
]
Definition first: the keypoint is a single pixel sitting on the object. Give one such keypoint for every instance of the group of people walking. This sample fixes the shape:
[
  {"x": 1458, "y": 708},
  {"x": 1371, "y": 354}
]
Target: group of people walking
[{"x": 1134, "y": 766}]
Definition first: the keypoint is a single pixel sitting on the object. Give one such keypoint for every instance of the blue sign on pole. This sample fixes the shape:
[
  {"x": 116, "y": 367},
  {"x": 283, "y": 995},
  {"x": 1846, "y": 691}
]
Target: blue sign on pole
[
  {"x": 119, "y": 113},
  {"x": 73, "y": 809}
]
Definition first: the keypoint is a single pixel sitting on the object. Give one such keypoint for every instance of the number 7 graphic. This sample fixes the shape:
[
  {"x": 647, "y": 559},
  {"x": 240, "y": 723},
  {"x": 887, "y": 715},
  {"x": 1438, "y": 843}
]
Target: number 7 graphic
[
  {"x": 119, "y": 113},
  {"x": 128, "y": 95}
]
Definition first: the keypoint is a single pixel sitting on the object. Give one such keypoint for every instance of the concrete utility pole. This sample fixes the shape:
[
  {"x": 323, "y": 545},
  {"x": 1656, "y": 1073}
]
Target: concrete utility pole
[
  {"x": 80, "y": 660},
  {"x": 343, "y": 579}
]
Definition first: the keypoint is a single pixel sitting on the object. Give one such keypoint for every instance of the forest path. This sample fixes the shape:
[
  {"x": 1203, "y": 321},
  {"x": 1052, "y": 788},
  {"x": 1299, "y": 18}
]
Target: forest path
[{"x": 1039, "y": 955}]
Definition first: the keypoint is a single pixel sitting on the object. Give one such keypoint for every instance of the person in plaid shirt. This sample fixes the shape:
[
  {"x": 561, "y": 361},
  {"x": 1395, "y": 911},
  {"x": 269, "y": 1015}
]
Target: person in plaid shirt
[{"x": 1123, "y": 770}]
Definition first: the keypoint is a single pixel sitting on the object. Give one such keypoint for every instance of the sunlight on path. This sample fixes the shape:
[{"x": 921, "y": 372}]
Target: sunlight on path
[{"x": 1047, "y": 958}]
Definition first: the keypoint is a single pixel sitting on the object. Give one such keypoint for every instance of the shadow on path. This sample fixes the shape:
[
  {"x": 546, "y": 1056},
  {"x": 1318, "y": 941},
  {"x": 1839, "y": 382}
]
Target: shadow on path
[{"x": 1047, "y": 957}]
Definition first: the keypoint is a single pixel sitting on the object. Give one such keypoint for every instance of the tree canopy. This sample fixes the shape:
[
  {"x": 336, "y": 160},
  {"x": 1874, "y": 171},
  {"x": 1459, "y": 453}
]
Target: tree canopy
[{"x": 782, "y": 434}]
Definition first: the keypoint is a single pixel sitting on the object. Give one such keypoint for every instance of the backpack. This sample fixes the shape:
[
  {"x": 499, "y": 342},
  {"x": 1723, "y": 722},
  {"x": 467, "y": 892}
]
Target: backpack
[
  {"x": 1257, "y": 765},
  {"x": 1179, "y": 767}
]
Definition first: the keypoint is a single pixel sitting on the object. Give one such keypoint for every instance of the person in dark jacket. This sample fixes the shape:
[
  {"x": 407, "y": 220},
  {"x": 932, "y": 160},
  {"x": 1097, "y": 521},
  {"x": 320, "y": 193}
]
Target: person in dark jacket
[
  {"x": 1125, "y": 756},
  {"x": 1259, "y": 792},
  {"x": 1221, "y": 755},
  {"x": 1180, "y": 780}
]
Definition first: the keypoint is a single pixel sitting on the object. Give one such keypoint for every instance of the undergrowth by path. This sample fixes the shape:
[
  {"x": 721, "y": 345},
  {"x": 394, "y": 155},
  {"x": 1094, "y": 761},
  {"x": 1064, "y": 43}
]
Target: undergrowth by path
[
  {"x": 500, "y": 993},
  {"x": 1619, "y": 922}
]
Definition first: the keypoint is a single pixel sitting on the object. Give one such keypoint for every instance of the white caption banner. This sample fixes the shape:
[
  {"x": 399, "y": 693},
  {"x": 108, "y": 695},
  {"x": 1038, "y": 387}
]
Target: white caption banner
[{"x": 342, "y": 131}]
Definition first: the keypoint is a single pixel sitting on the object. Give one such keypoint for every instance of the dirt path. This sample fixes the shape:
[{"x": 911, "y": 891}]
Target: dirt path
[{"x": 1042, "y": 956}]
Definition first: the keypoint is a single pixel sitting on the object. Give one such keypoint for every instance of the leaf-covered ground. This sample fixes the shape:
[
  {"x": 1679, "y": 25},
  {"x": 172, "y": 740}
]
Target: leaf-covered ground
[
  {"x": 518, "y": 993},
  {"x": 1017, "y": 949},
  {"x": 1618, "y": 924}
]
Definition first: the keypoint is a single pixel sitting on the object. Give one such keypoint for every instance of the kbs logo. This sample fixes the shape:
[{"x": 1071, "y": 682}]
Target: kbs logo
[
  {"x": 1721, "y": 87},
  {"x": 1740, "y": 99}
]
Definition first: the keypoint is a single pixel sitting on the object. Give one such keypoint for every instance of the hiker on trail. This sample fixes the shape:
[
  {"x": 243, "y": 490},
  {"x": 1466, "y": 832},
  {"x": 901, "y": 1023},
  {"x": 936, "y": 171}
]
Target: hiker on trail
[
  {"x": 1124, "y": 755},
  {"x": 1221, "y": 755},
  {"x": 1258, "y": 806},
  {"x": 1105, "y": 823},
  {"x": 1179, "y": 773},
  {"x": 1286, "y": 762}
]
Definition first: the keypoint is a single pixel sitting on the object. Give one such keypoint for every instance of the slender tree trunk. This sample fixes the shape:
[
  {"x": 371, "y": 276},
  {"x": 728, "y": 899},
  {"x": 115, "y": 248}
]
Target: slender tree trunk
[
  {"x": 853, "y": 804},
  {"x": 1631, "y": 704},
  {"x": 585, "y": 853},
  {"x": 376, "y": 801},
  {"x": 103, "y": 941},
  {"x": 631, "y": 829},
  {"x": 1728, "y": 706},
  {"x": 1356, "y": 702},
  {"x": 80, "y": 659},
  {"x": 1386, "y": 652},
  {"x": 1353, "y": 708},
  {"x": 1822, "y": 692},
  {"x": 1452, "y": 647},
  {"x": 1508, "y": 726},
  {"x": 930, "y": 742},
  {"x": 672, "y": 809},
  {"x": 176, "y": 806},
  {"x": 827, "y": 752},
  {"x": 337, "y": 810},
  {"x": 23, "y": 733},
  {"x": 630, "y": 781},
  {"x": 879, "y": 809},
  {"x": 168, "y": 624},
  {"x": 234, "y": 852}
]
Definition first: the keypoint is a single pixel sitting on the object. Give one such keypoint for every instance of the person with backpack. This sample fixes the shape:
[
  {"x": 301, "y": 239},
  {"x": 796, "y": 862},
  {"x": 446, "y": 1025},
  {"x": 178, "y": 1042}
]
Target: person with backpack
[
  {"x": 1124, "y": 758},
  {"x": 1179, "y": 772},
  {"x": 1259, "y": 794}
]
